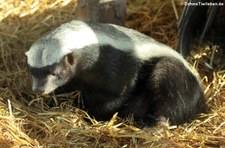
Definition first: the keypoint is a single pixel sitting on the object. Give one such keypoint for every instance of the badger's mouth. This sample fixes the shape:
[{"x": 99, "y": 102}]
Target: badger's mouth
[{"x": 50, "y": 89}]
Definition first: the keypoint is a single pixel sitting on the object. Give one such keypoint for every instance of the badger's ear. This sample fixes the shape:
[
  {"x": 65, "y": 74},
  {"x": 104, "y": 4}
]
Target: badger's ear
[{"x": 70, "y": 59}]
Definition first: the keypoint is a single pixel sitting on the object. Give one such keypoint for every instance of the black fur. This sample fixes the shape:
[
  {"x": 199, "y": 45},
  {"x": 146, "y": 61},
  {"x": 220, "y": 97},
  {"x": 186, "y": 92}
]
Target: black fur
[{"x": 117, "y": 82}]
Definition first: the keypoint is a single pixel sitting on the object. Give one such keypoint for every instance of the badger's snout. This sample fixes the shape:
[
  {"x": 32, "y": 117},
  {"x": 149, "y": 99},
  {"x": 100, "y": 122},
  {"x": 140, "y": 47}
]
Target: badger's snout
[
  {"x": 38, "y": 90},
  {"x": 38, "y": 85},
  {"x": 43, "y": 86}
]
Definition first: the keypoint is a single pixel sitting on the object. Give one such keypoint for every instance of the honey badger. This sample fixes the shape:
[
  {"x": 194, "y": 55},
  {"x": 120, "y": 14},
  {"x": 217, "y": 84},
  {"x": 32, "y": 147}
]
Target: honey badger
[{"x": 117, "y": 70}]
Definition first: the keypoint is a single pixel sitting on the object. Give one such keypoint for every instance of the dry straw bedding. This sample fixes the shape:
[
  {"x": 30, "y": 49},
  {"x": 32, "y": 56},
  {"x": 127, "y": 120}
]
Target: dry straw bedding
[{"x": 26, "y": 120}]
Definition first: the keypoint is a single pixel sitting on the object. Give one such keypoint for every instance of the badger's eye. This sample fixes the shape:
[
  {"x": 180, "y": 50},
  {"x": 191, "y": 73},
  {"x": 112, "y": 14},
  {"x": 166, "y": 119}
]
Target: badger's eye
[
  {"x": 47, "y": 72},
  {"x": 53, "y": 74}
]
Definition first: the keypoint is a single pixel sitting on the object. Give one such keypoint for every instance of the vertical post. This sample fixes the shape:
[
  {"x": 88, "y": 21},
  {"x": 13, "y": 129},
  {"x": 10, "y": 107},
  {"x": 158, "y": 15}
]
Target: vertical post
[{"x": 103, "y": 11}]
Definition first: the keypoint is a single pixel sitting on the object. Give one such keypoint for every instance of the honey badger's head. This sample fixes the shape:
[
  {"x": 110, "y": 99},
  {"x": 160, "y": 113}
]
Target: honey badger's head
[
  {"x": 52, "y": 59},
  {"x": 51, "y": 63},
  {"x": 47, "y": 79}
]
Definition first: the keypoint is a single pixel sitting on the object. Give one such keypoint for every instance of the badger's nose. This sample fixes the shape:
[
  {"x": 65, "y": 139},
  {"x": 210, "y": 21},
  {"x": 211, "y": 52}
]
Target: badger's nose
[
  {"x": 38, "y": 90},
  {"x": 38, "y": 85}
]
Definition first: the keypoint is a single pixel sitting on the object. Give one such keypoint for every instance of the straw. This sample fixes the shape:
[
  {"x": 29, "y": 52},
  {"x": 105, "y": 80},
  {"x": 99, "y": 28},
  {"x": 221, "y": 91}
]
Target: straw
[{"x": 27, "y": 120}]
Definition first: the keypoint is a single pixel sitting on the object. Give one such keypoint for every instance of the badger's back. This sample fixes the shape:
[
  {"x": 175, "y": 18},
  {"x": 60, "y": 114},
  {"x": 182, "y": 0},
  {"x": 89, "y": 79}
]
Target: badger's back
[{"x": 76, "y": 35}]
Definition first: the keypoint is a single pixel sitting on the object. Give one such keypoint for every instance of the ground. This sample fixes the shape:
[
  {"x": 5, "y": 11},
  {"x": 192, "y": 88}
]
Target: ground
[{"x": 26, "y": 120}]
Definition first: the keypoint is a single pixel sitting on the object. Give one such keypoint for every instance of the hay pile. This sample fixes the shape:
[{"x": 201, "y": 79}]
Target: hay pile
[{"x": 26, "y": 120}]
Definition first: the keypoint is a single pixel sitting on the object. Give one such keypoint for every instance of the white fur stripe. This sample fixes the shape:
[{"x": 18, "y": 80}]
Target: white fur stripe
[{"x": 75, "y": 35}]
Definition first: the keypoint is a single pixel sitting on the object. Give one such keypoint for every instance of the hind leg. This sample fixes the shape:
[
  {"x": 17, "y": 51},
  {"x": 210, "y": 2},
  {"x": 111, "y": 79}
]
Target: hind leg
[{"x": 174, "y": 92}]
